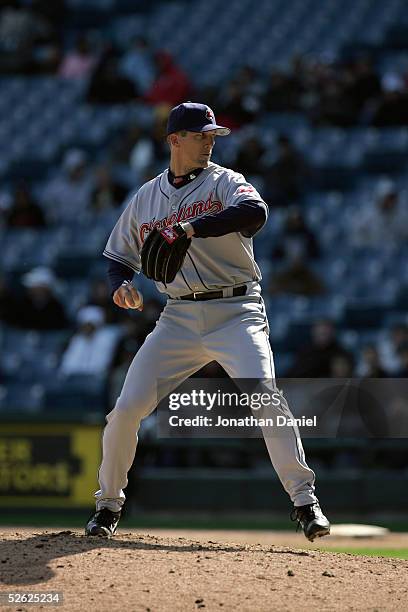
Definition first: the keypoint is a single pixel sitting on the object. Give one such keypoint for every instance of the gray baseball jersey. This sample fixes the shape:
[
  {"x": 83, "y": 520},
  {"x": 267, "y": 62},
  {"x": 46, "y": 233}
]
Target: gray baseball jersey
[
  {"x": 189, "y": 334},
  {"x": 211, "y": 263}
]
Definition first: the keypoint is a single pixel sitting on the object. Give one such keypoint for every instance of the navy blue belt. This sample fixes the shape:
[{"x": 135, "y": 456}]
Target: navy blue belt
[{"x": 214, "y": 295}]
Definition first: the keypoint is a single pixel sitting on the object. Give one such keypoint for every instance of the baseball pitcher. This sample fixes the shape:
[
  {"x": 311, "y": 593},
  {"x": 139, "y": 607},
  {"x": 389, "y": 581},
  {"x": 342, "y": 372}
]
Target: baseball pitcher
[{"x": 190, "y": 229}]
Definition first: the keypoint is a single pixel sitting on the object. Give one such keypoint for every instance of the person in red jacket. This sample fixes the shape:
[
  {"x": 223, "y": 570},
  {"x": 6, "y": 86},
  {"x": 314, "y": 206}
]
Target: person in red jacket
[{"x": 171, "y": 86}]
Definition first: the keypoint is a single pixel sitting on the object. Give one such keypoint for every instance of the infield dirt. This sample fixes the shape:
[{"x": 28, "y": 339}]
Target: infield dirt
[{"x": 167, "y": 571}]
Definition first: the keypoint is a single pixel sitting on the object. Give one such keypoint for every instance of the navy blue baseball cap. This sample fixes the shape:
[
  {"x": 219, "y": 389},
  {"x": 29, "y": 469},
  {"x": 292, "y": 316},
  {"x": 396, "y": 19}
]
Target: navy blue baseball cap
[{"x": 194, "y": 117}]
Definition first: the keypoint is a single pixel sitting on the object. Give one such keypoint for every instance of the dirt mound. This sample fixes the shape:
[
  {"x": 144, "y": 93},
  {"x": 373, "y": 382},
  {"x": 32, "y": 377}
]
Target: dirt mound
[{"x": 141, "y": 572}]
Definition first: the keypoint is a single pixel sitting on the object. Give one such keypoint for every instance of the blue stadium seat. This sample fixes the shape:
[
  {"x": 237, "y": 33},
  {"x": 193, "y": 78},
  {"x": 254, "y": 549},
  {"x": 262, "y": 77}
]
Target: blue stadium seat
[
  {"x": 364, "y": 316},
  {"x": 20, "y": 398},
  {"x": 77, "y": 395}
]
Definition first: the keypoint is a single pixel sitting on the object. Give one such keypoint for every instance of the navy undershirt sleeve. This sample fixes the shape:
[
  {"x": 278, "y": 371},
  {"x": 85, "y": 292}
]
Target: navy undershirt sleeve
[
  {"x": 246, "y": 217},
  {"x": 118, "y": 273}
]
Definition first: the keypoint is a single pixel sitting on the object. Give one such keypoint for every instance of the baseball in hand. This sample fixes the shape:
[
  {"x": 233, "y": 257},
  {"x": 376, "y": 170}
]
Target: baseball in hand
[{"x": 133, "y": 303}]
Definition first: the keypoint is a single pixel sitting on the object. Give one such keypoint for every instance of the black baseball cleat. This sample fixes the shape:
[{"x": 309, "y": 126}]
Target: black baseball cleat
[
  {"x": 103, "y": 523},
  {"x": 312, "y": 521}
]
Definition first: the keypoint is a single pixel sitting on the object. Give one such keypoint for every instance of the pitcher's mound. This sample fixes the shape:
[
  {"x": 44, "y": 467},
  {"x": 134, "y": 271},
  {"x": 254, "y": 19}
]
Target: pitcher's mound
[{"x": 141, "y": 572}]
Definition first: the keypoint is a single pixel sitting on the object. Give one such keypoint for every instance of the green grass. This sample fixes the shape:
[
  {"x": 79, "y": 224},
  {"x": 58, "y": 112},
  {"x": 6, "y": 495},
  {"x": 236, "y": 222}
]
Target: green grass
[
  {"x": 145, "y": 520},
  {"x": 395, "y": 553}
]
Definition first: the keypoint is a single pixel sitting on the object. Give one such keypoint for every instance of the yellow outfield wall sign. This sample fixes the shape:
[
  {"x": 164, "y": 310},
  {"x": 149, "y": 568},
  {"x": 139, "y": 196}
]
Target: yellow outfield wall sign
[{"x": 48, "y": 464}]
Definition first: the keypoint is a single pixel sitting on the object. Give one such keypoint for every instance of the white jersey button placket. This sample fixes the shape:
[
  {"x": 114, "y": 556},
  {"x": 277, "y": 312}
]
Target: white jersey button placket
[{"x": 173, "y": 204}]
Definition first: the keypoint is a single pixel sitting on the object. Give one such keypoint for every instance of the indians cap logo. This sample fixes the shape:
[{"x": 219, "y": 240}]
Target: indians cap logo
[{"x": 210, "y": 115}]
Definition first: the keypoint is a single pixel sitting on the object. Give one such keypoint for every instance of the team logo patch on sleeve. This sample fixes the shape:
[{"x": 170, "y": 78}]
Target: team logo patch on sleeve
[
  {"x": 169, "y": 235},
  {"x": 245, "y": 189}
]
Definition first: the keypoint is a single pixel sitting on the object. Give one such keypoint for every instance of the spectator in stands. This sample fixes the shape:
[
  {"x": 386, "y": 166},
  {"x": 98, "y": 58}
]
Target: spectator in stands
[
  {"x": 28, "y": 41},
  {"x": 315, "y": 360},
  {"x": 137, "y": 64},
  {"x": 69, "y": 195},
  {"x": 370, "y": 363},
  {"x": 208, "y": 92},
  {"x": 253, "y": 86},
  {"x": 296, "y": 277},
  {"x": 235, "y": 110},
  {"x": 7, "y": 302},
  {"x": 296, "y": 235},
  {"x": 392, "y": 106},
  {"x": 282, "y": 93},
  {"x": 383, "y": 224},
  {"x": 126, "y": 141},
  {"x": 91, "y": 348},
  {"x": 107, "y": 85},
  {"x": 158, "y": 135},
  {"x": 341, "y": 366},
  {"x": 125, "y": 353},
  {"x": 141, "y": 155},
  {"x": 334, "y": 107},
  {"x": 99, "y": 295},
  {"x": 54, "y": 12},
  {"x": 403, "y": 357},
  {"x": 249, "y": 159},
  {"x": 78, "y": 62},
  {"x": 393, "y": 81},
  {"x": 152, "y": 149},
  {"x": 136, "y": 329},
  {"x": 151, "y": 312},
  {"x": 172, "y": 86},
  {"x": 24, "y": 211},
  {"x": 134, "y": 334},
  {"x": 364, "y": 84},
  {"x": 397, "y": 412},
  {"x": 311, "y": 74},
  {"x": 337, "y": 94},
  {"x": 108, "y": 193},
  {"x": 390, "y": 348},
  {"x": 286, "y": 177},
  {"x": 39, "y": 307}
]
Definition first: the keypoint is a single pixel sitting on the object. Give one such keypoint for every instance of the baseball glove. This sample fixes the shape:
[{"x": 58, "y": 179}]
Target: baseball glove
[{"x": 163, "y": 253}]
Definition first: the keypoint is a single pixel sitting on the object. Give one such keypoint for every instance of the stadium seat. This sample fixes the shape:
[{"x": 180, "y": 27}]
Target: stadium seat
[
  {"x": 76, "y": 395},
  {"x": 20, "y": 398},
  {"x": 361, "y": 316},
  {"x": 43, "y": 115}
]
